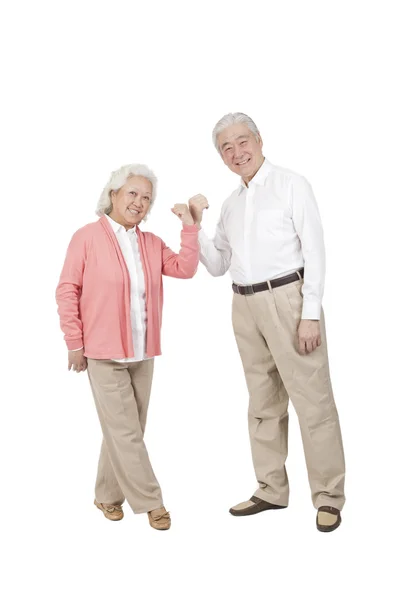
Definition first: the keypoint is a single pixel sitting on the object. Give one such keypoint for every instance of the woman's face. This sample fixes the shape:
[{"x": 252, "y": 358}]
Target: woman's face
[{"x": 132, "y": 201}]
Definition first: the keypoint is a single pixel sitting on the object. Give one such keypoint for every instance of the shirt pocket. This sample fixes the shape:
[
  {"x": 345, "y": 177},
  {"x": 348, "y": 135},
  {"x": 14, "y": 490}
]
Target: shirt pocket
[{"x": 270, "y": 222}]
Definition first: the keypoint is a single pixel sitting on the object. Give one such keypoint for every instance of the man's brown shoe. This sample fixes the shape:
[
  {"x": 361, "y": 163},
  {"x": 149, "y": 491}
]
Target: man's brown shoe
[
  {"x": 159, "y": 519},
  {"x": 328, "y": 518},
  {"x": 113, "y": 512},
  {"x": 252, "y": 507}
]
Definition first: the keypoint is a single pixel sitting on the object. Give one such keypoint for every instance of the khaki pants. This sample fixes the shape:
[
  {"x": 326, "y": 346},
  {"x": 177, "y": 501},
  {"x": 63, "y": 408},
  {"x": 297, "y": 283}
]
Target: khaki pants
[
  {"x": 265, "y": 326},
  {"x": 121, "y": 392}
]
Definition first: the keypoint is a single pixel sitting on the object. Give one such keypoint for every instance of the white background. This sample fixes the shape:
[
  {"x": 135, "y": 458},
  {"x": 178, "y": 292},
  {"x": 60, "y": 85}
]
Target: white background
[{"x": 90, "y": 86}]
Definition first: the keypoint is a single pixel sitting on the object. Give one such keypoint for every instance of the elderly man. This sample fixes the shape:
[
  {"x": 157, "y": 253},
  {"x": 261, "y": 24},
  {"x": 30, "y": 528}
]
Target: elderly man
[{"x": 270, "y": 238}]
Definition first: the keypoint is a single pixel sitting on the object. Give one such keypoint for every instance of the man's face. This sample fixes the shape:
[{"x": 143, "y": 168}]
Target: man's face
[
  {"x": 132, "y": 201},
  {"x": 241, "y": 150}
]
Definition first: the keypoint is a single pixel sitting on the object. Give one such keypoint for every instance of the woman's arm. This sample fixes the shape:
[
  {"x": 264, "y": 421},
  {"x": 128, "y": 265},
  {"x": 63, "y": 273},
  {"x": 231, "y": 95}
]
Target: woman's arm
[
  {"x": 69, "y": 290},
  {"x": 184, "y": 264}
]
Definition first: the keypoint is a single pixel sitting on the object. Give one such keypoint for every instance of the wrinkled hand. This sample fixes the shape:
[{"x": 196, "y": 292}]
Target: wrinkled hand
[
  {"x": 309, "y": 336},
  {"x": 77, "y": 361},
  {"x": 196, "y": 205},
  {"x": 182, "y": 211}
]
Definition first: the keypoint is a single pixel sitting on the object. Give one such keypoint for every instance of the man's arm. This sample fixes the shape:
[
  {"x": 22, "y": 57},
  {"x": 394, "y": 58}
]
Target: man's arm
[
  {"x": 307, "y": 223},
  {"x": 215, "y": 254}
]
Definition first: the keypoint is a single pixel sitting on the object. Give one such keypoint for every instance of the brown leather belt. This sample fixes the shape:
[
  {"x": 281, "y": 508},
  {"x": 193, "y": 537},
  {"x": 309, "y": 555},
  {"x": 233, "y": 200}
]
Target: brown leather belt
[{"x": 246, "y": 290}]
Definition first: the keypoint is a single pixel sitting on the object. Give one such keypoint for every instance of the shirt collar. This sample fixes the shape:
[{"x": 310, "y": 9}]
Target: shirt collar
[
  {"x": 259, "y": 178},
  {"x": 116, "y": 226}
]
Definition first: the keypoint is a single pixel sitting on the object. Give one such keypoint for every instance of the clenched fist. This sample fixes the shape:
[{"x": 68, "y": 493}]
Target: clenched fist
[
  {"x": 182, "y": 211},
  {"x": 196, "y": 205}
]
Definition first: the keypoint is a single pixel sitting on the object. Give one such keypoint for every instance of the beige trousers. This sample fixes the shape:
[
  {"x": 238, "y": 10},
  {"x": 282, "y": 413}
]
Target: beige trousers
[
  {"x": 122, "y": 392},
  {"x": 265, "y": 326}
]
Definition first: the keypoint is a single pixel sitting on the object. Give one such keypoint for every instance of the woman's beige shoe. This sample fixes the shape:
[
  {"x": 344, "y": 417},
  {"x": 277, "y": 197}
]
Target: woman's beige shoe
[
  {"x": 113, "y": 512},
  {"x": 159, "y": 519}
]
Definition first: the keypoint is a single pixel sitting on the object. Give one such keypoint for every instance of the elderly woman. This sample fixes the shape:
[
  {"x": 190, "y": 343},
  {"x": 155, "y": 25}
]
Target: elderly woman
[{"x": 110, "y": 298}]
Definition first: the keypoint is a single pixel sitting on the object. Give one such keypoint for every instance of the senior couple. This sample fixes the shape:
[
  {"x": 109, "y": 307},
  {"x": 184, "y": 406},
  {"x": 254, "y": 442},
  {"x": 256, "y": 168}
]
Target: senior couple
[{"x": 110, "y": 296}]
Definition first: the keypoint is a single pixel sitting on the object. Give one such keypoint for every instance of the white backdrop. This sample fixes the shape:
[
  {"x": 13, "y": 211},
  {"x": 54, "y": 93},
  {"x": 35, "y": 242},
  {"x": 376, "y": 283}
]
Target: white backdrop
[{"x": 90, "y": 86}]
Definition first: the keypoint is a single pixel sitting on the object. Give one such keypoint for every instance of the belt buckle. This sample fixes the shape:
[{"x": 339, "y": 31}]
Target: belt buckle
[{"x": 251, "y": 288}]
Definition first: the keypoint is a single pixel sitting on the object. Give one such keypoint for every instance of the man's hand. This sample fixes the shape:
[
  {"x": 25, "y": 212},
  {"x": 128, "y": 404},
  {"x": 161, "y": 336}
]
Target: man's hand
[
  {"x": 77, "y": 360},
  {"x": 196, "y": 205},
  {"x": 309, "y": 336},
  {"x": 182, "y": 211}
]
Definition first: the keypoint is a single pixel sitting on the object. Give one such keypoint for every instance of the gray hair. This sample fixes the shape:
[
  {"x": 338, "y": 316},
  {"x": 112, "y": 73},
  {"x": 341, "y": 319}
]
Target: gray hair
[
  {"x": 118, "y": 179},
  {"x": 233, "y": 119}
]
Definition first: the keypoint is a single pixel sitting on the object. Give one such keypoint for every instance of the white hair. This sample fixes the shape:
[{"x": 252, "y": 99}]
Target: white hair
[
  {"x": 233, "y": 119},
  {"x": 118, "y": 179}
]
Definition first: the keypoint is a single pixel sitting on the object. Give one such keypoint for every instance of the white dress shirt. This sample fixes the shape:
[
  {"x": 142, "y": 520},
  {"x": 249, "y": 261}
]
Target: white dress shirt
[
  {"x": 128, "y": 243},
  {"x": 269, "y": 229}
]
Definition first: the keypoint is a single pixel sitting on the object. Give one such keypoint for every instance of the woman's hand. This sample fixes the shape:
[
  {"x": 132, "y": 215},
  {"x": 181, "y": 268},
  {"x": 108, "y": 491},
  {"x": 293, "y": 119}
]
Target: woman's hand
[
  {"x": 182, "y": 211},
  {"x": 77, "y": 360}
]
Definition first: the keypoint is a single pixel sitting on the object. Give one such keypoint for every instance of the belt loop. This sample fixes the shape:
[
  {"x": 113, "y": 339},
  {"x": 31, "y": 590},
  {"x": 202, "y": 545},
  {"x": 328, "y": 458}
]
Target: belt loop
[
  {"x": 269, "y": 285},
  {"x": 298, "y": 275}
]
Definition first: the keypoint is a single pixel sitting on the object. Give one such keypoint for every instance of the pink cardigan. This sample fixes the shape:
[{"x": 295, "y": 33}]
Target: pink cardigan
[{"x": 93, "y": 294}]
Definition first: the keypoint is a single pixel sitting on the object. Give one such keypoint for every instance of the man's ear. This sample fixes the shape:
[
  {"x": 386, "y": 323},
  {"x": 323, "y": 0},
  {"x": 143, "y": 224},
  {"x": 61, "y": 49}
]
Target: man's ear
[{"x": 260, "y": 139}]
